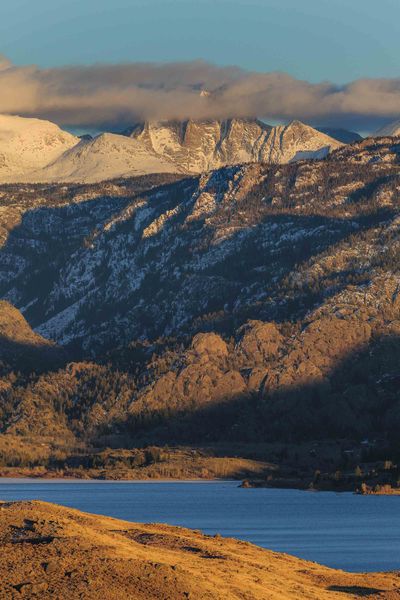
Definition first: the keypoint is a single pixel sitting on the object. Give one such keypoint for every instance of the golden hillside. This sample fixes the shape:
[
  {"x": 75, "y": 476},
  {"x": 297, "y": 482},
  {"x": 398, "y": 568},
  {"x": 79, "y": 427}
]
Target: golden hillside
[{"x": 49, "y": 551}]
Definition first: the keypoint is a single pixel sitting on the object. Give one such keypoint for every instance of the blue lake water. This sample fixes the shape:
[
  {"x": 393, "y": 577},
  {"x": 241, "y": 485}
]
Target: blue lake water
[{"x": 356, "y": 533}]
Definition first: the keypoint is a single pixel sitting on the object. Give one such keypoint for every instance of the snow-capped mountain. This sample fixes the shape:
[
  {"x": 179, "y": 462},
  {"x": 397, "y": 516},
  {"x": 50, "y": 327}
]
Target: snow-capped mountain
[
  {"x": 392, "y": 129},
  {"x": 203, "y": 145},
  {"x": 27, "y": 145},
  {"x": 38, "y": 151},
  {"x": 105, "y": 157}
]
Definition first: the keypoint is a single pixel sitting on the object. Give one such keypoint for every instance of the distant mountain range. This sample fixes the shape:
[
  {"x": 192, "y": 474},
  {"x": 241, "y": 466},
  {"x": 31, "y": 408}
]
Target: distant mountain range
[
  {"x": 34, "y": 150},
  {"x": 38, "y": 151}
]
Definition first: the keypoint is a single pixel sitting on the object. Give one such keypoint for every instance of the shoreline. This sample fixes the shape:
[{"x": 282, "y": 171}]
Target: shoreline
[
  {"x": 188, "y": 464},
  {"x": 20, "y": 480},
  {"x": 384, "y": 490}
]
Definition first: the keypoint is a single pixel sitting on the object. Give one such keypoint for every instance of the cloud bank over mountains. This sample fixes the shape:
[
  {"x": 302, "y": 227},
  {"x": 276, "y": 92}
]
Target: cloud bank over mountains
[{"x": 117, "y": 95}]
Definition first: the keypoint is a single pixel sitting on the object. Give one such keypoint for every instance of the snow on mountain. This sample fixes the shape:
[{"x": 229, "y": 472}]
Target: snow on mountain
[
  {"x": 296, "y": 141},
  {"x": 105, "y": 157},
  {"x": 38, "y": 151},
  {"x": 29, "y": 144},
  {"x": 204, "y": 145},
  {"x": 392, "y": 129},
  {"x": 153, "y": 255}
]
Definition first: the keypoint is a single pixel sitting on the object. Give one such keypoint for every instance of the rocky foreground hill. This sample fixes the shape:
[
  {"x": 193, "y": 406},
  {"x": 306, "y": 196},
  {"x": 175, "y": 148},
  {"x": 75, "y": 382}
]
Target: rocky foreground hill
[
  {"x": 251, "y": 304},
  {"x": 48, "y": 551}
]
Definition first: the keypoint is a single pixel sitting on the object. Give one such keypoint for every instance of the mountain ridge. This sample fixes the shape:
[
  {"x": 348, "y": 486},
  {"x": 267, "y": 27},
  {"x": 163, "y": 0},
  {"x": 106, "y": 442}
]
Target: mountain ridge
[
  {"x": 231, "y": 141},
  {"x": 161, "y": 147}
]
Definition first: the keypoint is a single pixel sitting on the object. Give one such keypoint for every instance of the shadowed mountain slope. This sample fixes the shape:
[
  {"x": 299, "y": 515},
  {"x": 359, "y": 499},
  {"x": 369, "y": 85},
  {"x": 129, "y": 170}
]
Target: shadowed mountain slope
[
  {"x": 251, "y": 303},
  {"x": 253, "y": 241},
  {"x": 342, "y": 135}
]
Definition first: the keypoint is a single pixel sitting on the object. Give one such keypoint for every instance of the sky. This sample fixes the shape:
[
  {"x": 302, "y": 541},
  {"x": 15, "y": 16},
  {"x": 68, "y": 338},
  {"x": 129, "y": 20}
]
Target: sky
[{"x": 336, "y": 41}]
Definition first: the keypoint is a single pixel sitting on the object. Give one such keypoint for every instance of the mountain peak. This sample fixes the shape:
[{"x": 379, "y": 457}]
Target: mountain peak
[
  {"x": 34, "y": 150},
  {"x": 29, "y": 144},
  {"x": 295, "y": 123},
  {"x": 201, "y": 145}
]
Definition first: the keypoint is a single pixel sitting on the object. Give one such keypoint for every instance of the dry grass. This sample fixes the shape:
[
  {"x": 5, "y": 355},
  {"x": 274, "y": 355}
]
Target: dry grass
[{"x": 48, "y": 551}]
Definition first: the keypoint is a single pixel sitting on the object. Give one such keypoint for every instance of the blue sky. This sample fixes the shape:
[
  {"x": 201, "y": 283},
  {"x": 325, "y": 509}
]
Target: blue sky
[{"x": 336, "y": 40}]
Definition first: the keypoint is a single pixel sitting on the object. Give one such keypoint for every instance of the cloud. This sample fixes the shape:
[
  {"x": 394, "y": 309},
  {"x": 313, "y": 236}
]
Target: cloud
[{"x": 118, "y": 95}]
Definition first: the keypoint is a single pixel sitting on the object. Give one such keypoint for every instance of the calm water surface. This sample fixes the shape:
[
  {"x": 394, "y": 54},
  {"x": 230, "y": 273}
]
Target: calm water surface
[{"x": 356, "y": 533}]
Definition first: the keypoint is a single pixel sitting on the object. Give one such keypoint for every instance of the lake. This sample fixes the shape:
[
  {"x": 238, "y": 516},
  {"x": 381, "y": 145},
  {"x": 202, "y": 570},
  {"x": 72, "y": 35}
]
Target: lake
[{"x": 356, "y": 533}]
